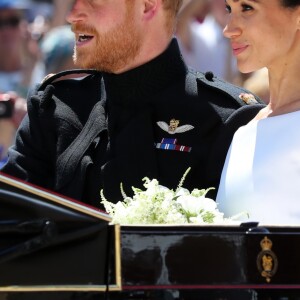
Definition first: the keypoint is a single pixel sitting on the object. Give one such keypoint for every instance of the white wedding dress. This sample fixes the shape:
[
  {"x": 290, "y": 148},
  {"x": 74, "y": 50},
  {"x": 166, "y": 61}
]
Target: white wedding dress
[{"x": 261, "y": 175}]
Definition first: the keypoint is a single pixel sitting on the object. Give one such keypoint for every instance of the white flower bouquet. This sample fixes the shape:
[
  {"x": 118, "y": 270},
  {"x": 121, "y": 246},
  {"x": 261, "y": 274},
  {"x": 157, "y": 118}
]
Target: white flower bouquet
[{"x": 160, "y": 205}]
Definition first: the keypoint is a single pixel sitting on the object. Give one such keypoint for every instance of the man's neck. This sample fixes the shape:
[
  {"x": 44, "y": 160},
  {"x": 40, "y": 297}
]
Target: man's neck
[{"x": 147, "y": 53}]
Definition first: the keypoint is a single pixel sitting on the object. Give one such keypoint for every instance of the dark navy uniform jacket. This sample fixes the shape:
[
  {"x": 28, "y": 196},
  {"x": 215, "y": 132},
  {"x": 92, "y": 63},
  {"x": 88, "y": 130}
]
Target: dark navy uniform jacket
[{"x": 84, "y": 135}]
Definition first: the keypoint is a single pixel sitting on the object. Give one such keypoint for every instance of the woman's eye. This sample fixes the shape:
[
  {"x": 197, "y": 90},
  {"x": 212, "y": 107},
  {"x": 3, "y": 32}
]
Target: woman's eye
[{"x": 246, "y": 7}]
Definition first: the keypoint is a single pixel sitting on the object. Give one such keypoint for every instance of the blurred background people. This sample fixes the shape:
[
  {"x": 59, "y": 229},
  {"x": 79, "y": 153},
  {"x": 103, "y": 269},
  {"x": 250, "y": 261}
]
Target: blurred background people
[
  {"x": 34, "y": 41},
  {"x": 23, "y": 25},
  {"x": 17, "y": 51},
  {"x": 57, "y": 48},
  {"x": 12, "y": 111},
  {"x": 60, "y": 10},
  {"x": 16, "y": 64},
  {"x": 203, "y": 45}
]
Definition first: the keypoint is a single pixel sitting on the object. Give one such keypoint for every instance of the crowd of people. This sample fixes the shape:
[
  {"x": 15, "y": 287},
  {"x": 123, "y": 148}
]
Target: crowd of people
[
  {"x": 163, "y": 89},
  {"x": 35, "y": 40}
]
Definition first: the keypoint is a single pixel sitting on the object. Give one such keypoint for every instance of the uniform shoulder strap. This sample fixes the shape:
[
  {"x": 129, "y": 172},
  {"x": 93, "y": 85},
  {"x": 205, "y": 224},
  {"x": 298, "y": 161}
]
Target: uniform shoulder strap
[
  {"x": 69, "y": 74},
  {"x": 237, "y": 93}
]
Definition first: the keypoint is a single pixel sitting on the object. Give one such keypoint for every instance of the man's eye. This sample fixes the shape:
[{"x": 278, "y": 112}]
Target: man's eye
[{"x": 228, "y": 8}]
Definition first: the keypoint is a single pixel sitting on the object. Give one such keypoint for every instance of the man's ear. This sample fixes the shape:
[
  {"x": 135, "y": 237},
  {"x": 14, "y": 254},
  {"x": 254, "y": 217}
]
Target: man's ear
[{"x": 150, "y": 7}]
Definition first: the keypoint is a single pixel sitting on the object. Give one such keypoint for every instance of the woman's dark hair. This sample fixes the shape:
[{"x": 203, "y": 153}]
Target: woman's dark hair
[{"x": 290, "y": 3}]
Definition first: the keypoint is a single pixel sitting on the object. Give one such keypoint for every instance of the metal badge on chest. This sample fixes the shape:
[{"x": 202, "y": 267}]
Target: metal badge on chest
[{"x": 173, "y": 128}]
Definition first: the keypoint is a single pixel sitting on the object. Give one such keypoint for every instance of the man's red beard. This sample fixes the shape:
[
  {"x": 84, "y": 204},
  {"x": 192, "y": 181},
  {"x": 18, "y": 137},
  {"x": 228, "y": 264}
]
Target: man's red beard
[{"x": 113, "y": 51}]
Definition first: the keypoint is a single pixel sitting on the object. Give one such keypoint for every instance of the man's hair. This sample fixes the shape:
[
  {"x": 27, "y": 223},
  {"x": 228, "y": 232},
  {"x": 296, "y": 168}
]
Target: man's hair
[
  {"x": 290, "y": 3},
  {"x": 172, "y": 8}
]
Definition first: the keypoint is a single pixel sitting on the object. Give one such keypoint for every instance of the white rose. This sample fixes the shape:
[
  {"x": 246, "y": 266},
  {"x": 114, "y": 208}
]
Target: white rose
[{"x": 194, "y": 205}]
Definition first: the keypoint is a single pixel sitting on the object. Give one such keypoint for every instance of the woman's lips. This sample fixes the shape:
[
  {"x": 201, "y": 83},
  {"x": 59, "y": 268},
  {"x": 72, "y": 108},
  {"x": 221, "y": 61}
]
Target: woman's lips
[{"x": 238, "y": 48}]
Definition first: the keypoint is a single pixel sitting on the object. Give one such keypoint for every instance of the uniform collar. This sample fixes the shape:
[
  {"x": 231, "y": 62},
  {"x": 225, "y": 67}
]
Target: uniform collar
[{"x": 136, "y": 86}]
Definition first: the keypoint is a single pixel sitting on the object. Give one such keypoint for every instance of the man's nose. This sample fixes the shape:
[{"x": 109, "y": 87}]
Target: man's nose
[{"x": 76, "y": 12}]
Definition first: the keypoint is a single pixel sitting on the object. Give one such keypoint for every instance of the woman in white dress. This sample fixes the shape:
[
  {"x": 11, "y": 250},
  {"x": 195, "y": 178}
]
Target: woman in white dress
[{"x": 261, "y": 175}]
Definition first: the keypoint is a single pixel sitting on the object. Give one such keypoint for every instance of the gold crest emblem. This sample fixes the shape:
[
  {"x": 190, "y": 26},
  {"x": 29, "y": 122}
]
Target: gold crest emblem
[
  {"x": 173, "y": 126},
  {"x": 267, "y": 262}
]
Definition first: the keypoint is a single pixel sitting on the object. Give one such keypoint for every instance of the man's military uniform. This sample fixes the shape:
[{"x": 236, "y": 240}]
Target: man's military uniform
[{"x": 156, "y": 121}]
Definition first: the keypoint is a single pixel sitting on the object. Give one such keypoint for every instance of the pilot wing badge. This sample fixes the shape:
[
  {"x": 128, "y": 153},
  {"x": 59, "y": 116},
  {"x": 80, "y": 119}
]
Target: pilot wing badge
[{"x": 173, "y": 127}]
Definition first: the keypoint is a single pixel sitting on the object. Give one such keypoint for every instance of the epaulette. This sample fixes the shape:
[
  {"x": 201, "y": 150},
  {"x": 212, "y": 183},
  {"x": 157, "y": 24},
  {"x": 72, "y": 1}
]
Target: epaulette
[
  {"x": 69, "y": 74},
  {"x": 239, "y": 94},
  {"x": 44, "y": 91}
]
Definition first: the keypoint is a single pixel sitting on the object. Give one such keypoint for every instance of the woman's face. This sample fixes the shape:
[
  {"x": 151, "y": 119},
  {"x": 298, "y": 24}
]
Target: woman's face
[{"x": 263, "y": 33}]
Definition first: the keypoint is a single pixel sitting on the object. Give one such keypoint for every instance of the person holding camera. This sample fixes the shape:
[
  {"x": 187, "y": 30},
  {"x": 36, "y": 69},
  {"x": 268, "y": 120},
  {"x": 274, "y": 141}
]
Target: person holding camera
[
  {"x": 16, "y": 65},
  {"x": 12, "y": 110}
]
